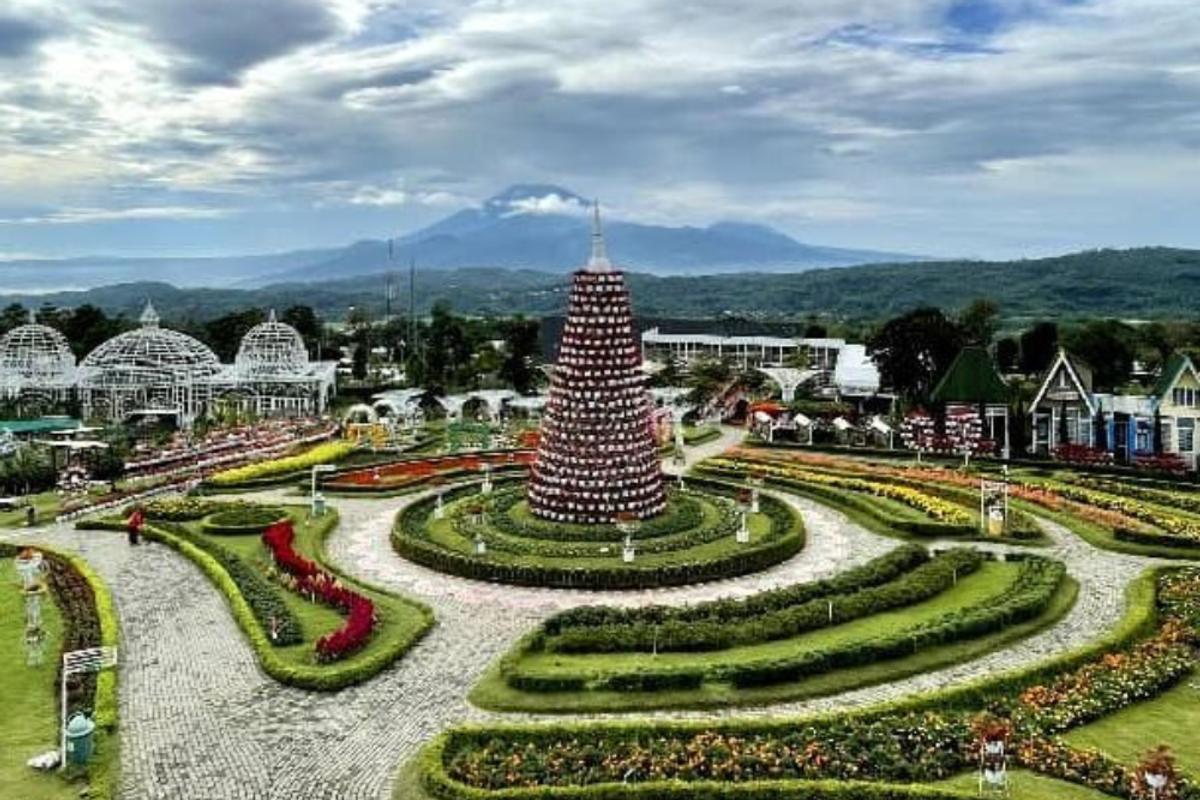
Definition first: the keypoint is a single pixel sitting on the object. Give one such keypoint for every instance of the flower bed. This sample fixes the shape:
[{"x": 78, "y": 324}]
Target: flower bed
[
  {"x": 870, "y": 751},
  {"x": 408, "y": 472},
  {"x": 945, "y": 518},
  {"x": 312, "y": 580},
  {"x": 326, "y": 453},
  {"x": 698, "y": 633}
]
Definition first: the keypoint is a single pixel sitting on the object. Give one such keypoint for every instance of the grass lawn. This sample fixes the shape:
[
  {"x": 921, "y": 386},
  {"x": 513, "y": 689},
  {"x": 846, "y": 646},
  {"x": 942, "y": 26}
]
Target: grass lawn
[
  {"x": 494, "y": 693},
  {"x": 1026, "y": 786},
  {"x": 29, "y": 722},
  {"x": 400, "y": 620},
  {"x": 46, "y": 504},
  {"x": 1172, "y": 719}
]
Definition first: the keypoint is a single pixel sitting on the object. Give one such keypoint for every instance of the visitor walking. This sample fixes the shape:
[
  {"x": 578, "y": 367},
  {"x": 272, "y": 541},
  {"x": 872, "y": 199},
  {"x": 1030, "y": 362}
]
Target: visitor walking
[{"x": 133, "y": 525}]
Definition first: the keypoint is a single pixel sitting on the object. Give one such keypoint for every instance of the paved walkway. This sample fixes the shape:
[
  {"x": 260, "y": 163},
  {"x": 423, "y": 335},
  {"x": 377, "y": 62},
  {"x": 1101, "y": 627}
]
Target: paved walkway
[{"x": 200, "y": 720}]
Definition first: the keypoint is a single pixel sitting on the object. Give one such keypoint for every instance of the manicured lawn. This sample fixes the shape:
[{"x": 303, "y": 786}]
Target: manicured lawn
[
  {"x": 494, "y": 693},
  {"x": 1172, "y": 719},
  {"x": 29, "y": 722},
  {"x": 1027, "y": 786},
  {"x": 46, "y": 504},
  {"x": 400, "y": 621}
]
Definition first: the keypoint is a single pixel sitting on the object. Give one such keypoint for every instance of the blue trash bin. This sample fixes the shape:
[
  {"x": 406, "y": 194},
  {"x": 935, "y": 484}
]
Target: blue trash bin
[{"x": 81, "y": 740}]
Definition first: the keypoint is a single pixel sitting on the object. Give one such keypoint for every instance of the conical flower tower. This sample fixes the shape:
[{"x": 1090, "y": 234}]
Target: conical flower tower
[{"x": 597, "y": 458}]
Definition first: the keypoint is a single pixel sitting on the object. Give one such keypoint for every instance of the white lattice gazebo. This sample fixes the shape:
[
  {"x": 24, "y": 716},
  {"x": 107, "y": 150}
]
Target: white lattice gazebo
[
  {"x": 36, "y": 362},
  {"x": 149, "y": 370},
  {"x": 273, "y": 372}
]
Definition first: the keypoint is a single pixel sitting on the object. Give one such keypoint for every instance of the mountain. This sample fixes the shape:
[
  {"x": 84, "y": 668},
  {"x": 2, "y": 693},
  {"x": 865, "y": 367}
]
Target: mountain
[
  {"x": 527, "y": 226},
  {"x": 1143, "y": 283},
  {"x": 544, "y": 227}
]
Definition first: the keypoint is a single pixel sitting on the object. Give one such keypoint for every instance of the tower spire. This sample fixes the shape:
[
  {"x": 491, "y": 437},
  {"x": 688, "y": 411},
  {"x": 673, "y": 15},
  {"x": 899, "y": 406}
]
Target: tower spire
[{"x": 599, "y": 261}]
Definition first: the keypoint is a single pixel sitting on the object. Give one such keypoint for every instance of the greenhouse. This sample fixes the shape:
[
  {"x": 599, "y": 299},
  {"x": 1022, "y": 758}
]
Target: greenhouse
[{"x": 154, "y": 372}]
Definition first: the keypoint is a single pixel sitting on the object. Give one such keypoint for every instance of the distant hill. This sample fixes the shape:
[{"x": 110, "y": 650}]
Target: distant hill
[
  {"x": 541, "y": 227},
  {"x": 1137, "y": 284},
  {"x": 527, "y": 226}
]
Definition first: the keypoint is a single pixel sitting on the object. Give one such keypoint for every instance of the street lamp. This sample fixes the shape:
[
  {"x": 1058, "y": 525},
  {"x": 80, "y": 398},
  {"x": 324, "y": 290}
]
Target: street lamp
[{"x": 317, "y": 502}]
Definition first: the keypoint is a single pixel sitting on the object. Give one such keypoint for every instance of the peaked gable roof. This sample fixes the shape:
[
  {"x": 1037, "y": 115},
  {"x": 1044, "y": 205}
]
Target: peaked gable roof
[
  {"x": 1176, "y": 365},
  {"x": 1079, "y": 372},
  {"x": 971, "y": 378}
]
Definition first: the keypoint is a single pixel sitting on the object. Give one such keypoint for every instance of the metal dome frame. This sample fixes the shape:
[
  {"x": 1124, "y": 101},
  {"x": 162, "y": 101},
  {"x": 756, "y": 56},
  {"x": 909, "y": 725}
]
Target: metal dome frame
[
  {"x": 272, "y": 349},
  {"x": 35, "y": 357}
]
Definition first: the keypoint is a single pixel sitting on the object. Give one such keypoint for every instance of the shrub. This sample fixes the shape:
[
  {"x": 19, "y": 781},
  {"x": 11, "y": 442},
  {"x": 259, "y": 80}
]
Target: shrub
[
  {"x": 325, "y": 453},
  {"x": 696, "y": 634},
  {"x": 242, "y": 519}
]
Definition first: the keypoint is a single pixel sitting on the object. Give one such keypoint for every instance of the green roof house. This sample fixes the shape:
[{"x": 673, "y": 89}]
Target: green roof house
[{"x": 972, "y": 387}]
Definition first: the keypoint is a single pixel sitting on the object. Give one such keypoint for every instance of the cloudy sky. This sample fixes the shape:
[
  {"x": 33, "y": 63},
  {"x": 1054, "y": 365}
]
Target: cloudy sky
[{"x": 989, "y": 128}]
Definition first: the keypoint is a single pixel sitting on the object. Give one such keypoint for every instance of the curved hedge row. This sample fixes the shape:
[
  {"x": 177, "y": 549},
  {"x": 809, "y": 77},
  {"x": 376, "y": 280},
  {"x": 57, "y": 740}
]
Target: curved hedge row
[
  {"x": 878, "y": 571},
  {"x": 921, "y": 583},
  {"x": 409, "y": 539},
  {"x": 681, "y": 515},
  {"x": 1028, "y": 595},
  {"x": 242, "y": 520},
  {"x": 699, "y": 533}
]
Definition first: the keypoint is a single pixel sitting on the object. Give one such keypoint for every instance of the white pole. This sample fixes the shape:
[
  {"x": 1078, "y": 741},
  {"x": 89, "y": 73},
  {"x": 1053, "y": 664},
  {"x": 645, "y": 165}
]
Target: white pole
[{"x": 62, "y": 728}]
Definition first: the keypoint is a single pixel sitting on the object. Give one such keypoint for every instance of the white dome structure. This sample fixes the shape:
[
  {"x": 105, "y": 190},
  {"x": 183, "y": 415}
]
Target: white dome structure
[
  {"x": 37, "y": 357},
  {"x": 148, "y": 355},
  {"x": 272, "y": 349}
]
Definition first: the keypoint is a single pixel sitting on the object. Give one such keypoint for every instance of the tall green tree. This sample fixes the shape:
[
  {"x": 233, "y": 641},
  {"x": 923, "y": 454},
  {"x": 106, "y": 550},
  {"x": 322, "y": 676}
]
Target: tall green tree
[
  {"x": 1038, "y": 346},
  {"x": 978, "y": 322},
  {"x": 520, "y": 353},
  {"x": 913, "y": 350},
  {"x": 307, "y": 324},
  {"x": 224, "y": 334},
  {"x": 1108, "y": 348},
  {"x": 14, "y": 314}
]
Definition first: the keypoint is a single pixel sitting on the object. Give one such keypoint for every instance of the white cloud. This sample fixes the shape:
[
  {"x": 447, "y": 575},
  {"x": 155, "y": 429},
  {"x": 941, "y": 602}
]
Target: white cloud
[
  {"x": 74, "y": 216},
  {"x": 547, "y": 204}
]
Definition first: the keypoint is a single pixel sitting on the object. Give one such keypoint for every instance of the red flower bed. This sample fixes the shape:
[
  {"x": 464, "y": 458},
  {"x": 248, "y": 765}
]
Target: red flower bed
[
  {"x": 411, "y": 471},
  {"x": 311, "y": 579},
  {"x": 1165, "y": 462},
  {"x": 1082, "y": 454}
]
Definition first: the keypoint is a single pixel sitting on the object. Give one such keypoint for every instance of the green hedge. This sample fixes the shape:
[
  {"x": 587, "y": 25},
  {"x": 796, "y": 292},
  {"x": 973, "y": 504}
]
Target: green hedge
[
  {"x": 242, "y": 520},
  {"x": 409, "y": 539},
  {"x": 1027, "y": 597},
  {"x": 697, "y": 634},
  {"x": 683, "y": 513}
]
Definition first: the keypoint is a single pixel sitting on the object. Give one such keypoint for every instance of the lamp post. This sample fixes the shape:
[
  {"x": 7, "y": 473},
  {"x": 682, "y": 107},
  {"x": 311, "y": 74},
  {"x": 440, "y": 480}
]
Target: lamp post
[{"x": 317, "y": 502}]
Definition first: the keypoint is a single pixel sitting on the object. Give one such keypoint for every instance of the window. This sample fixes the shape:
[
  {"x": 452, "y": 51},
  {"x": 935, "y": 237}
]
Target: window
[{"x": 1187, "y": 435}]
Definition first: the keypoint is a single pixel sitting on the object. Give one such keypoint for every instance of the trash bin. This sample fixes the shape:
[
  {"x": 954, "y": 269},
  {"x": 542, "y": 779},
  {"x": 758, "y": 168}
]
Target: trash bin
[
  {"x": 80, "y": 738},
  {"x": 318, "y": 505}
]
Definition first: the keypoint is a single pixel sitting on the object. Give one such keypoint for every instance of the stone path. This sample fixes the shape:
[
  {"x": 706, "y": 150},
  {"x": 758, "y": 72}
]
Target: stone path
[{"x": 200, "y": 720}]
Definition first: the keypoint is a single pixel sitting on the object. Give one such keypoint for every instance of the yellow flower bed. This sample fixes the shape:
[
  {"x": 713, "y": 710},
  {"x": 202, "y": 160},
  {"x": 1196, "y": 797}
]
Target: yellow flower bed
[
  {"x": 321, "y": 454},
  {"x": 937, "y": 508},
  {"x": 1172, "y": 524}
]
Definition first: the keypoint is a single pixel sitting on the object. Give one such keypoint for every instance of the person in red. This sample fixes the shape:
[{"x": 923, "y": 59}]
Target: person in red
[{"x": 134, "y": 525}]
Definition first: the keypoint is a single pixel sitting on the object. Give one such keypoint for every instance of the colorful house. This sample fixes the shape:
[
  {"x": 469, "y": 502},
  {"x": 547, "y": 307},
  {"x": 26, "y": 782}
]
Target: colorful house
[
  {"x": 1177, "y": 403},
  {"x": 1063, "y": 410}
]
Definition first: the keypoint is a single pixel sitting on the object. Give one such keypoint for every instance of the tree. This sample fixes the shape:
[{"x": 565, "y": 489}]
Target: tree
[
  {"x": 1107, "y": 346},
  {"x": 12, "y": 316},
  {"x": 87, "y": 327},
  {"x": 978, "y": 322},
  {"x": 520, "y": 353},
  {"x": 707, "y": 377},
  {"x": 307, "y": 324},
  {"x": 358, "y": 366},
  {"x": 224, "y": 334},
  {"x": 913, "y": 350},
  {"x": 1038, "y": 346},
  {"x": 1008, "y": 354}
]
